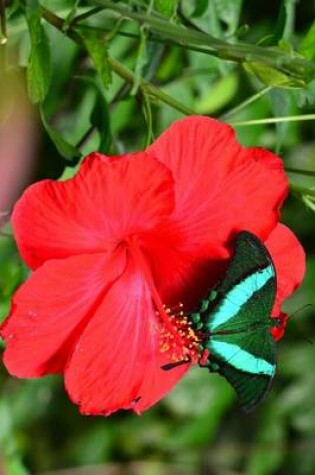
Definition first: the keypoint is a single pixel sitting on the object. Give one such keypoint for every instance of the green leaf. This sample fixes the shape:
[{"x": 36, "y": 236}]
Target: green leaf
[
  {"x": 96, "y": 45},
  {"x": 280, "y": 101},
  {"x": 166, "y": 7},
  {"x": 58, "y": 5},
  {"x": 12, "y": 8},
  {"x": 218, "y": 95},
  {"x": 6, "y": 428},
  {"x": 307, "y": 47},
  {"x": 200, "y": 8},
  {"x": 229, "y": 12},
  {"x": 39, "y": 63},
  {"x": 14, "y": 466},
  {"x": 66, "y": 150},
  {"x": 201, "y": 420},
  {"x": 72, "y": 13},
  {"x": 9, "y": 441},
  {"x": 285, "y": 22},
  {"x": 271, "y": 76},
  {"x": 268, "y": 453},
  {"x": 100, "y": 118}
]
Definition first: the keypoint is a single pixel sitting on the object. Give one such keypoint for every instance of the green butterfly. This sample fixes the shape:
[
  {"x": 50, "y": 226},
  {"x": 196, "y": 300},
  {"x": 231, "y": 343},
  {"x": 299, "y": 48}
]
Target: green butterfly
[{"x": 235, "y": 322}]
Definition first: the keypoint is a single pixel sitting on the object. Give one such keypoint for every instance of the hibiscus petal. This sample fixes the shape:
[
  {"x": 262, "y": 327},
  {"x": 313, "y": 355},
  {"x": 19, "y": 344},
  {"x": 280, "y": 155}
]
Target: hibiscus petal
[
  {"x": 50, "y": 310},
  {"x": 180, "y": 275},
  {"x": 108, "y": 199},
  {"x": 221, "y": 187},
  {"x": 117, "y": 362},
  {"x": 289, "y": 259}
]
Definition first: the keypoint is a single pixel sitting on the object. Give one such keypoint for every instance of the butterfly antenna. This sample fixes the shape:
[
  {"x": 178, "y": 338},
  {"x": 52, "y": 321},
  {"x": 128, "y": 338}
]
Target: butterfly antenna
[
  {"x": 301, "y": 333},
  {"x": 300, "y": 309},
  {"x": 169, "y": 366}
]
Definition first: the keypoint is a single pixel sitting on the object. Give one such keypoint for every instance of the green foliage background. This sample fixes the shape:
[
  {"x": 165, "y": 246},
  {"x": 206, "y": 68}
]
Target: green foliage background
[{"x": 112, "y": 81}]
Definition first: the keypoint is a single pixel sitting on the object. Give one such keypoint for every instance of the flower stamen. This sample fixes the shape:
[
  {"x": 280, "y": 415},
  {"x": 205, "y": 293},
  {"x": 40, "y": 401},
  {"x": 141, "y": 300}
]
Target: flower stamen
[{"x": 186, "y": 347}]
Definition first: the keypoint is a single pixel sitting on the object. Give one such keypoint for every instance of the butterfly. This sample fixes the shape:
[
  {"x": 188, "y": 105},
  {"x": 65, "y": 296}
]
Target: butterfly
[{"x": 234, "y": 322}]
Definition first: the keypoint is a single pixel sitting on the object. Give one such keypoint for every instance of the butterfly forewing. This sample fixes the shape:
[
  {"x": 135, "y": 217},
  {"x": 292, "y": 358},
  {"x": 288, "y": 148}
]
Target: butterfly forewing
[
  {"x": 250, "y": 277},
  {"x": 249, "y": 255},
  {"x": 248, "y": 303}
]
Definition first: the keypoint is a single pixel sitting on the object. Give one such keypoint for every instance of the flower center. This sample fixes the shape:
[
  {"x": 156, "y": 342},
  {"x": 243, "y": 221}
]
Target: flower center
[{"x": 187, "y": 344}]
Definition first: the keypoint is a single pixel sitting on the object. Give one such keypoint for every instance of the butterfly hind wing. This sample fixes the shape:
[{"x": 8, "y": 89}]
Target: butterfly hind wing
[
  {"x": 251, "y": 389},
  {"x": 248, "y": 362}
]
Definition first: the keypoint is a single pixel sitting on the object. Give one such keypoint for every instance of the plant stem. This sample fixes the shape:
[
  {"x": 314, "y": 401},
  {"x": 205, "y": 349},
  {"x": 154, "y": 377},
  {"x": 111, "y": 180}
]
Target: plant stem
[
  {"x": 293, "y": 66},
  {"x": 149, "y": 88},
  {"x": 120, "y": 69},
  {"x": 85, "y": 15},
  {"x": 85, "y": 138},
  {"x": 6, "y": 235},
  {"x": 148, "y": 118},
  {"x": 152, "y": 39},
  {"x": 245, "y": 103},
  {"x": 298, "y": 171},
  {"x": 274, "y": 120},
  {"x": 302, "y": 190},
  {"x": 3, "y": 24}
]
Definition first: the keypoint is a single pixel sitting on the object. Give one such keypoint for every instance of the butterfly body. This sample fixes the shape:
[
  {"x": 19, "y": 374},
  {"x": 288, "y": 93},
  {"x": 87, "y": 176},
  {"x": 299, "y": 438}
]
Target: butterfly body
[{"x": 234, "y": 322}]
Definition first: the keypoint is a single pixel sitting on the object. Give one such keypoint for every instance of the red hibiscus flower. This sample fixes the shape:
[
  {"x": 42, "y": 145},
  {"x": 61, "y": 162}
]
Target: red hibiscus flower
[{"x": 126, "y": 236}]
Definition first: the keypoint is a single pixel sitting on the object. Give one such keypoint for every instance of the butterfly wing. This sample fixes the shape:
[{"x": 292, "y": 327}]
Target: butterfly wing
[
  {"x": 238, "y": 321},
  {"x": 250, "y": 278},
  {"x": 248, "y": 361},
  {"x": 249, "y": 255},
  {"x": 251, "y": 389}
]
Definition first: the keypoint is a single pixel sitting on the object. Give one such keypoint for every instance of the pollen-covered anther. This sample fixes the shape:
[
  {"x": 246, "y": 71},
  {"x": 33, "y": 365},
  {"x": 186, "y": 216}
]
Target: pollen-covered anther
[{"x": 187, "y": 345}]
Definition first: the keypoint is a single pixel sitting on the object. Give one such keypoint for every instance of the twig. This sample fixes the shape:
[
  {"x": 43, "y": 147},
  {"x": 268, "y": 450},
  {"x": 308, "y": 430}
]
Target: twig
[{"x": 119, "y": 68}]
